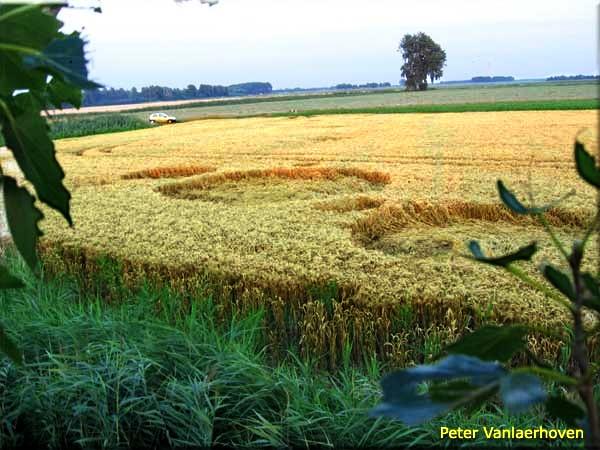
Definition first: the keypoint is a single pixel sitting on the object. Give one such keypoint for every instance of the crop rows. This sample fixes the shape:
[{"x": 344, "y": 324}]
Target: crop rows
[{"x": 347, "y": 230}]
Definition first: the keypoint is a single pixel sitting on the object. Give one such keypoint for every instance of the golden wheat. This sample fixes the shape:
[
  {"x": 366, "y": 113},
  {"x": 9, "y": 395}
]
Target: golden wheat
[
  {"x": 295, "y": 173},
  {"x": 379, "y": 206},
  {"x": 168, "y": 172},
  {"x": 347, "y": 204},
  {"x": 393, "y": 218}
]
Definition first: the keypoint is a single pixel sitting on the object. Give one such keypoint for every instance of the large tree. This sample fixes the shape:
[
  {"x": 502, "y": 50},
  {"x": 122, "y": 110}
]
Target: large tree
[{"x": 423, "y": 59}]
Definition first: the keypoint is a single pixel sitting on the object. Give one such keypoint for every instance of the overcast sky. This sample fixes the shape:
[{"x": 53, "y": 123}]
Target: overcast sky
[{"x": 310, "y": 43}]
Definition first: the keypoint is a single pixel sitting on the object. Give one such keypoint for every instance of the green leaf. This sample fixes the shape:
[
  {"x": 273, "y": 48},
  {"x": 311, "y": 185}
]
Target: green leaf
[
  {"x": 548, "y": 374},
  {"x": 65, "y": 58},
  {"x": 509, "y": 199},
  {"x": 560, "y": 281},
  {"x": 586, "y": 165},
  {"x": 15, "y": 76},
  {"x": 450, "y": 391},
  {"x": 8, "y": 281},
  {"x": 523, "y": 254},
  {"x": 23, "y": 218},
  {"x": 591, "y": 291},
  {"x": 569, "y": 412},
  {"x": 26, "y": 134},
  {"x": 25, "y": 27},
  {"x": 492, "y": 342},
  {"x": 521, "y": 391},
  {"x": 60, "y": 93},
  {"x": 460, "y": 393},
  {"x": 511, "y": 202},
  {"x": 9, "y": 348},
  {"x": 32, "y": 48},
  {"x": 402, "y": 399},
  {"x": 591, "y": 284}
]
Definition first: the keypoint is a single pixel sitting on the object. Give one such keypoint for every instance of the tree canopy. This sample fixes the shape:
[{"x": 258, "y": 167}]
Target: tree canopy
[{"x": 423, "y": 59}]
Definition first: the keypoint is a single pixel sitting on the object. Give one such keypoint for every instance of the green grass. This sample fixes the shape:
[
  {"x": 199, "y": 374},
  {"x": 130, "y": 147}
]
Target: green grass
[
  {"x": 386, "y": 99},
  {"x": 159, "y": 370},
  {"x": 268, "y": 99},
  {"x": 520, "y": 97},
  {"x": 84, "y": 125},
  {"x": 531, "y": 88},
  {"x": 544, "y": 105},
  {"x": 77, "y": 125}
]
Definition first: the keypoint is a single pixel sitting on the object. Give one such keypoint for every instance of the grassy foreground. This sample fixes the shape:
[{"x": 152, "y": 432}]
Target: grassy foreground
[{"x": 147, "y": 372}]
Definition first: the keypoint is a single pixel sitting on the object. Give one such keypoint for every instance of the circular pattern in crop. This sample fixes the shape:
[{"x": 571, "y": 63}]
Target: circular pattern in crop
[
  {"x": 392, "y": 218},
  {"x": 168, "y": 172},
  {"x": 348, "y": 204},
  {"x": 383, "y": 258},
  {"x": 277, "y": 185},
  {"x": 416, "y": 245},
  {"x": 426, "y": 229}
]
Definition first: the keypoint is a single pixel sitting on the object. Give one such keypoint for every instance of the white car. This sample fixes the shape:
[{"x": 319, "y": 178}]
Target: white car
[{"x": 161, "y": 118}]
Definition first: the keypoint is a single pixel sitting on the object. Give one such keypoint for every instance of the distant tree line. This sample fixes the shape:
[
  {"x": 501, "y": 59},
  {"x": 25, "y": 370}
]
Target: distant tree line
[
  {"x": 573, "y": 78},
  {"x": 362, "y": 86},
  {"x": 480, "y": 79},
  {"x": 491, "y": 79},
  {"x": 112, "y": 96},
  {"x": 341, "y": 86},
  {"x": 254, "y": 88}
]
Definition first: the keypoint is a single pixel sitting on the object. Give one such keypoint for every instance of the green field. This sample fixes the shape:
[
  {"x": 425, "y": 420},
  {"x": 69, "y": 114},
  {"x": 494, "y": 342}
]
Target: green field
[
  {"x": 519, "y": 97},
  {"x": 535, "y": 105},
  {"x": 394, "y": 99},
  {"x": 87, "y": 124},
  {"x": 77, "y": 125}
]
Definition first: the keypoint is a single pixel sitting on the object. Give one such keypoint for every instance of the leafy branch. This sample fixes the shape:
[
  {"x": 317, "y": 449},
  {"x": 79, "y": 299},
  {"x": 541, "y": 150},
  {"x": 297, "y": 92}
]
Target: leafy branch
[{"x": 40, "y": 67}]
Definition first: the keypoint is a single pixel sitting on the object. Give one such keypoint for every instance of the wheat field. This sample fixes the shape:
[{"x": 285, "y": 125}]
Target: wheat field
[{"x": 347, "y": 230}]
